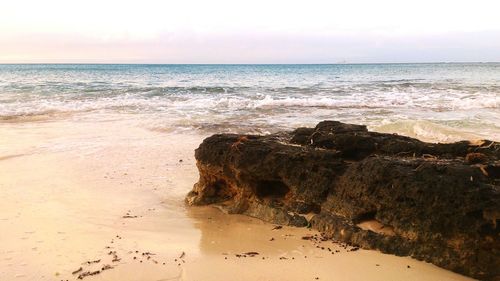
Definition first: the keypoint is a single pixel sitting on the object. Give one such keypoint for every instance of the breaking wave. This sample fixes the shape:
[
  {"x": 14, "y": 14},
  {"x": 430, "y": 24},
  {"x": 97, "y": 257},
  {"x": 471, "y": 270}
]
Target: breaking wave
[{"x": 427, "y": 101}]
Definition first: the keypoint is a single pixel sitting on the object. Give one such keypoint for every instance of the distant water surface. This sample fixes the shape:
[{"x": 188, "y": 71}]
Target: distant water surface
[{"x": 439, "y": 102}]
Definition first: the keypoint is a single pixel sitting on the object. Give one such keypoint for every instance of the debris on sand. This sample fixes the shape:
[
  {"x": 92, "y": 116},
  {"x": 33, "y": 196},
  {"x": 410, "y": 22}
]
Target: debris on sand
[
  {"x": 94, "y": 261},
  {"x": 77, "y": 271},
  {"x": 88, "y": 273},
  {"x": 106, "y": 267}
]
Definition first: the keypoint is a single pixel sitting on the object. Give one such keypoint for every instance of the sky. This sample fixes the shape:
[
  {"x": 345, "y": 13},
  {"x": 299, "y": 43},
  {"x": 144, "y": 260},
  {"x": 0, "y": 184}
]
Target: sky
[{"x": 257, "y": 31}]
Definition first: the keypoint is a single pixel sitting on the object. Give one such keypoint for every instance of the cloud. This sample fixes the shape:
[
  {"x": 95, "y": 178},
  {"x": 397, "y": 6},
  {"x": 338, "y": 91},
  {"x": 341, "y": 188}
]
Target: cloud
[{"x": 223, "y": 31}]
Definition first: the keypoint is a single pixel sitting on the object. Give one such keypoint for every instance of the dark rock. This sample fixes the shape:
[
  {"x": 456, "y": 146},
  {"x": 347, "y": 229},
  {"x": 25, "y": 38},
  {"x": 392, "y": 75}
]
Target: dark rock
[
  {"x": 435, "y": 202},
  {"x": 475, "y": 158}
]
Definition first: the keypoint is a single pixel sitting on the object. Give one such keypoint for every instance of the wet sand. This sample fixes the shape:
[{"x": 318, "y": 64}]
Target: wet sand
[{"x": 78, "y": 192}]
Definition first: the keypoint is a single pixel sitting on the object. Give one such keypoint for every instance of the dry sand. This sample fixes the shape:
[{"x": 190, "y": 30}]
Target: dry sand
[{"x": 74, "y": 192}]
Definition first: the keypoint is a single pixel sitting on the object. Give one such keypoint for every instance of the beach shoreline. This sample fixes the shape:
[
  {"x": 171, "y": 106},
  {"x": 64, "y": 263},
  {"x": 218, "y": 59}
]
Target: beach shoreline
[{"x": 78, "y": 192}]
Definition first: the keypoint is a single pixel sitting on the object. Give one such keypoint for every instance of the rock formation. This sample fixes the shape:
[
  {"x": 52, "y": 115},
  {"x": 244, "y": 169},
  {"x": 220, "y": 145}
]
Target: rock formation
[{"x": 435, "y": 202}]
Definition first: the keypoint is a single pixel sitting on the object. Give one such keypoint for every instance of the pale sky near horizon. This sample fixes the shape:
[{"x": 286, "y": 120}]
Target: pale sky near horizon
[{"x": 259, "y": 31}]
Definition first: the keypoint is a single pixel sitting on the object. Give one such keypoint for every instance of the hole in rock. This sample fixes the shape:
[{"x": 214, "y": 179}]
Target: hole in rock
[
  {"x": 271, "y": 189},
  {"x": 367, "y": 221},
  {"x": 377, "y": 227},
  {"x": 221, "y": 191},
  {"x": 365, "y": 217}
]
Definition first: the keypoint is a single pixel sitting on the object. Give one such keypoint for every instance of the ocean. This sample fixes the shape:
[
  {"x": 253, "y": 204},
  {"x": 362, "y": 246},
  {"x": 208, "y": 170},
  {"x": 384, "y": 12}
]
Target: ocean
[{"x": 436, "y": 102}]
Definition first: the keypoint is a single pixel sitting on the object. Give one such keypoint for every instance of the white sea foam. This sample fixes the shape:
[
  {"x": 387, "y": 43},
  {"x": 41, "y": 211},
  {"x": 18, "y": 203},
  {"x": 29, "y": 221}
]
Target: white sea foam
[
  {"x": 265, "y": 99},
  {"x": 431, "y": 130}
]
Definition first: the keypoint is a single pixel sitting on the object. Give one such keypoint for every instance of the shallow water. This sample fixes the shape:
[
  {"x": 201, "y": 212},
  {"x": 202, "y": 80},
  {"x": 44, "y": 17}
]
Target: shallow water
[{"x": 436, "y": 102}]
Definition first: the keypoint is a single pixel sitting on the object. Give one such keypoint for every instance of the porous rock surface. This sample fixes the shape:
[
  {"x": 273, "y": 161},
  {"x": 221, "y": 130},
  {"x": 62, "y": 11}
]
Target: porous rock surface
[{"x": 435, "y": 202}]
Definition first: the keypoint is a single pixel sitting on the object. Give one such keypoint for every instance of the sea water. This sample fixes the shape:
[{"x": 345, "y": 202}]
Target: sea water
[{"x": 437, "y": 102}]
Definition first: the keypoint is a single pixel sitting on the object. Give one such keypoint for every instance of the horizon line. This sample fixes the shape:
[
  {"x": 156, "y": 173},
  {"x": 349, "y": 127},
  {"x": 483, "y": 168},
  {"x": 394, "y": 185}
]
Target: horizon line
[{"x": 326, "y": 63}]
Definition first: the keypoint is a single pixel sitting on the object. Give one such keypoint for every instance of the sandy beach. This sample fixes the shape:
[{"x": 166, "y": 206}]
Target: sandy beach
[
  {"x": 249, "y": 141},
  {"x": 82, "y": 194}
]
